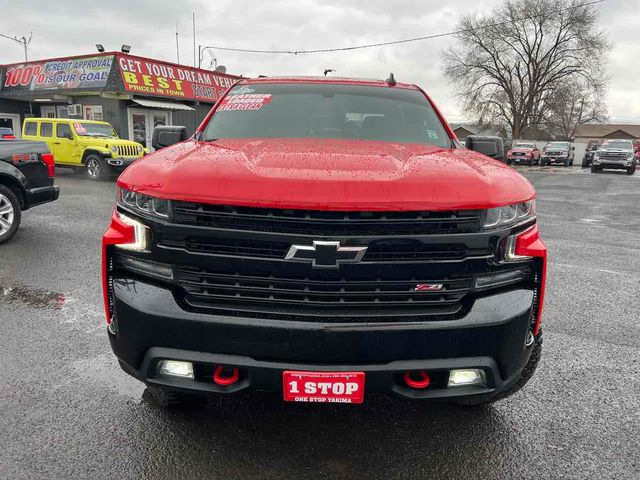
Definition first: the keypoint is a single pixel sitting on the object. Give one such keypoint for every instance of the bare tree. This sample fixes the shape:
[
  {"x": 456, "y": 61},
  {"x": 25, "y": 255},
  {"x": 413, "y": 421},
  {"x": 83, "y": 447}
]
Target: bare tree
[
  {"x": 509, "y": 67},
  {"x": 571, "y": 104}
]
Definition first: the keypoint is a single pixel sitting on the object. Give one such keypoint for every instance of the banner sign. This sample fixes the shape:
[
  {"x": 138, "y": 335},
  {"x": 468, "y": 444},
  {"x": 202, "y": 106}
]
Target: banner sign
[
  {"x": 148, "y": 77},
  {"x": 61, "y": 74}
]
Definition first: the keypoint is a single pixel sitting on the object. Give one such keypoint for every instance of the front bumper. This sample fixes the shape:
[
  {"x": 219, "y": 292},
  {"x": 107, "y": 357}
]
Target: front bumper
[
  {"x": 150, "y": 325},
  {"x": 550, "y": 160},
  {"x": 121, "y": 163},
  {"x": 522, "y": 160},
  {"x": 622, "y": 165},
  {"x": 40, "y": 195}
]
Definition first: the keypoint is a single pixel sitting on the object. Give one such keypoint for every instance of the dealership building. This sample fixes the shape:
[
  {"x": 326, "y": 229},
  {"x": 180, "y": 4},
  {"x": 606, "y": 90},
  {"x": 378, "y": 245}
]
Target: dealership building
[{"x": 134, "y": 94}]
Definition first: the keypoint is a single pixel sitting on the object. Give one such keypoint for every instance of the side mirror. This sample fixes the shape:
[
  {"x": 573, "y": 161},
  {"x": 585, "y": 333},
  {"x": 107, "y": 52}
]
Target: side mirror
[
  {"x": 573, "y": 147},
  {"x": 165, "y": 136},
  {"x": 490, "y": 146}
]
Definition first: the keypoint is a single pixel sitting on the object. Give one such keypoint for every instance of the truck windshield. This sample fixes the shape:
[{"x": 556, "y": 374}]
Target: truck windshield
[
  {"x": 327, "y": 111},
  {"x": 94, "y": 130},
  {"x": 558, "y": 145},
  {"x": 618, "y": 144}
]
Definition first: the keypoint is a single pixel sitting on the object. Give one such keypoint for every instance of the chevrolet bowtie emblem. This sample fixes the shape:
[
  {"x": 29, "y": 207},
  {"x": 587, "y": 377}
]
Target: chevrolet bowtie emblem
[{"x": 325, "y": 254}]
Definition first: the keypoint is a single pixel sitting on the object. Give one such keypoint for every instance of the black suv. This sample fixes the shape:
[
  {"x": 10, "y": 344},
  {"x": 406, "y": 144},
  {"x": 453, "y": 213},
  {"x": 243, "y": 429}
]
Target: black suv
[{"x": 26, "y": 180}]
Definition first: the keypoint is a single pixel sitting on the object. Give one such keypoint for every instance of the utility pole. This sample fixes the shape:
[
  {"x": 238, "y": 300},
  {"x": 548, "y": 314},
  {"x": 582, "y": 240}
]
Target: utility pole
[
  {"x": 24, "y": 41},
  {"x": 177, "y": 44},
  {"x": 194, "y": 39}
]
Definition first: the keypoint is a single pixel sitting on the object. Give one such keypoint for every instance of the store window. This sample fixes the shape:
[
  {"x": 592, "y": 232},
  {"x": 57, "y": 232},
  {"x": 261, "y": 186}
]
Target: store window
[
  {"x": 46, "y": 129},
  {"x": 93, "y": 112}
]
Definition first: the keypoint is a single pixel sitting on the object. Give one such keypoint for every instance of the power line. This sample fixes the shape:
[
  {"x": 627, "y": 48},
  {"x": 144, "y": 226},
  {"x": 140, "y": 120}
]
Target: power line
[
  {"x": 24, "y": 41},
  {"x": 393, "y": 42}
]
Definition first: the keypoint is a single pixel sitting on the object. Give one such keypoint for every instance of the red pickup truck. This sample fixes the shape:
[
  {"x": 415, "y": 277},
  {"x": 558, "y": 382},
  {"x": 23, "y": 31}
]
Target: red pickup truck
[{"x": 324, "y": 239}]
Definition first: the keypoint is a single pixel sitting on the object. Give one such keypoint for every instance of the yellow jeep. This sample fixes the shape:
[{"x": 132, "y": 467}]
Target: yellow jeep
[{"x": 84, "y": 145}]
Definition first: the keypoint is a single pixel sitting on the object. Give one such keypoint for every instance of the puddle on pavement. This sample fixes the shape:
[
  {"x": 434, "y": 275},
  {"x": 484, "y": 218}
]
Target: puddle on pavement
[{"x": 32, "y": 297}]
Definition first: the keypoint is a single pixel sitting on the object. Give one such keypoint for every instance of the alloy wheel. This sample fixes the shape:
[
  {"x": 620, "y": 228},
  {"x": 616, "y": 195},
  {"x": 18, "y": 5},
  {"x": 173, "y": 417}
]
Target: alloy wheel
[
  {"x": 93, "y": 168},
  {"x": 6, "y": 214}
]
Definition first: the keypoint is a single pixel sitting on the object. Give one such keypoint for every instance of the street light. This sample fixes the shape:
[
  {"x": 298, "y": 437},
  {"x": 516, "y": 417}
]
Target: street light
[
  {"x": 201, "y": 50},
  {"x": 100, "y": 47}
]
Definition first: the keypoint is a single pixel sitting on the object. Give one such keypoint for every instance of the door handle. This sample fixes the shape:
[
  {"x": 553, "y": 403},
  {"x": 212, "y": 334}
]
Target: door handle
[{"x": 56, "y": 143}]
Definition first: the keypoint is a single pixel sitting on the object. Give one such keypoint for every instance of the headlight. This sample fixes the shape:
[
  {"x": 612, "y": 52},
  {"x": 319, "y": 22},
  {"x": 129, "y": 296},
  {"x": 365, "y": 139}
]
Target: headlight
[
  {"x": 143, "y": 203},
  {"x": 510, "y": 215},
  {"x": 630, "y": 156},
  {"x": 114, "y": 148}
]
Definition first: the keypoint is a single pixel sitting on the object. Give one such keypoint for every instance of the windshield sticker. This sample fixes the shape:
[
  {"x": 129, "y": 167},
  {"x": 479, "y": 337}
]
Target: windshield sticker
[
  {"x": 241, "y": 91},
  {"x": 251, "y": 101},
  {"x": 79, "y": 128},
  {"x": 432, "y": 134}
]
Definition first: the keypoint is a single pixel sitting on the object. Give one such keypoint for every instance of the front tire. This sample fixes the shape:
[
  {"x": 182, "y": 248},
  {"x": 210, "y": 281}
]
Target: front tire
[
  {"x": 10, "y": 213},
  {"x": 631, "y": 170},
  {"x": 595, "y": 169},
  {"x": 96, "y": 168}
]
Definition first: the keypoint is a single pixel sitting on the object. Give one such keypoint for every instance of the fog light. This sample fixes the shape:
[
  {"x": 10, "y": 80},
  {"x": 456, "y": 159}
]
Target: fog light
[
  {"x": 465, "y": 377},
  {"x": 176, "y": 368}
]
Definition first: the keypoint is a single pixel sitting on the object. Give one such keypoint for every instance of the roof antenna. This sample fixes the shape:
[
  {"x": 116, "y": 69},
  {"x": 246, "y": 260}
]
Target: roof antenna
[{"x": 391, "y": 81}]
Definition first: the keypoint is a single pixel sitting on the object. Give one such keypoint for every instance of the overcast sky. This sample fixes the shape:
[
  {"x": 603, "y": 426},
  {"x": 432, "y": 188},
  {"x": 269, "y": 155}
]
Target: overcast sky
[{"x": 72, "y": 27}]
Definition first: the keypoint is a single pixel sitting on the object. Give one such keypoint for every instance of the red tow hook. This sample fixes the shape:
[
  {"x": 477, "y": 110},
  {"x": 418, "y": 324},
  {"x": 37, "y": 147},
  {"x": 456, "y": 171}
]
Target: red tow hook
[
  {"x": 224, "y": 381},
  {"x": 417, "y": 384}
]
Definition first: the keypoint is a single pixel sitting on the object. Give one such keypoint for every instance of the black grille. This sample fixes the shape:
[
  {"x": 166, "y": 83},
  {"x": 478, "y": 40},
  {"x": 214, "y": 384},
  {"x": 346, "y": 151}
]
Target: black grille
[
  {"x": 615, "y": 156},
  {"x": 232, "y": 261},
  {"x": 330, "y": 296},
  {"x": 315, "y": 222},
  {"x": 388, "y": 250}
]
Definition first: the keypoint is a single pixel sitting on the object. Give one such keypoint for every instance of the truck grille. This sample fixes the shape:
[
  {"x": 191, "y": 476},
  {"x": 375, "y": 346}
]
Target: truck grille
[
  {"x": 378, "y": 250},
  {"x": 613, "y": 156},
  {"x": 332, "y": 297},
  {"x": 316, "y": 222},
  {"x": 419, "y": 266},
  {"x": 128, "y": 151}
]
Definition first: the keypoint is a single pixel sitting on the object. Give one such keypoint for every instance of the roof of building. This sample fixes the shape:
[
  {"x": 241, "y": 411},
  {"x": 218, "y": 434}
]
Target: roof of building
[
  {"x": 477, "y": 129},
  {"x": 597, "y": 130}
]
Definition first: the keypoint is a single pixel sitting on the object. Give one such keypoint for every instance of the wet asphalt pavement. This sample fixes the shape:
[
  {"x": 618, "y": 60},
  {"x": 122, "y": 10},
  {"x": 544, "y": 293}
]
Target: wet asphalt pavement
[{"x": 68, "y": 411}]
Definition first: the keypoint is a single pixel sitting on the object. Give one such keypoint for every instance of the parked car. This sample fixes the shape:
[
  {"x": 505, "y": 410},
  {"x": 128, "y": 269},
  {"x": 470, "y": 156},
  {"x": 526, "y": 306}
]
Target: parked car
[
  {"x": 587, "y": 159},
  {"x": 524, "y": 153},
  {"x": 26, "y": 180},
  {"x": 558, "y": 152},
  {"x": 6, "y": 133},
  {"x": 311, "y": 240},
  {"x": 93, "y": 147},
  {"x": 615, "y": 154}
]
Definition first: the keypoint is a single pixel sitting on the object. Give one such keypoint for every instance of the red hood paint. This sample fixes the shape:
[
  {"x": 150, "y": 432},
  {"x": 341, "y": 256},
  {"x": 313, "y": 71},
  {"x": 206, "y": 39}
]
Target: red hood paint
[{"x": 326, "y": 174}]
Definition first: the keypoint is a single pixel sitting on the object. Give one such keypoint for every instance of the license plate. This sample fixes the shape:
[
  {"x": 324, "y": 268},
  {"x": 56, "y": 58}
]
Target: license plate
[{"x": 329, "y": 387}]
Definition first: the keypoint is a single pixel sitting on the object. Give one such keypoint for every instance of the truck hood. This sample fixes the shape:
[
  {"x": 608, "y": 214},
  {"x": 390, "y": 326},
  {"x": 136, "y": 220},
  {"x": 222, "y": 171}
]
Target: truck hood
[
  {"x": 326, "y": 174},
  {"x": 615, "y": 150}
]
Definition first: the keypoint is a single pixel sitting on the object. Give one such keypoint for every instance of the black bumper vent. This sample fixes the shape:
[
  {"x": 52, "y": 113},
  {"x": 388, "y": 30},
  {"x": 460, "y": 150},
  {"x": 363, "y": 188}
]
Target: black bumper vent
[{"x": 322, "y": 296}]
